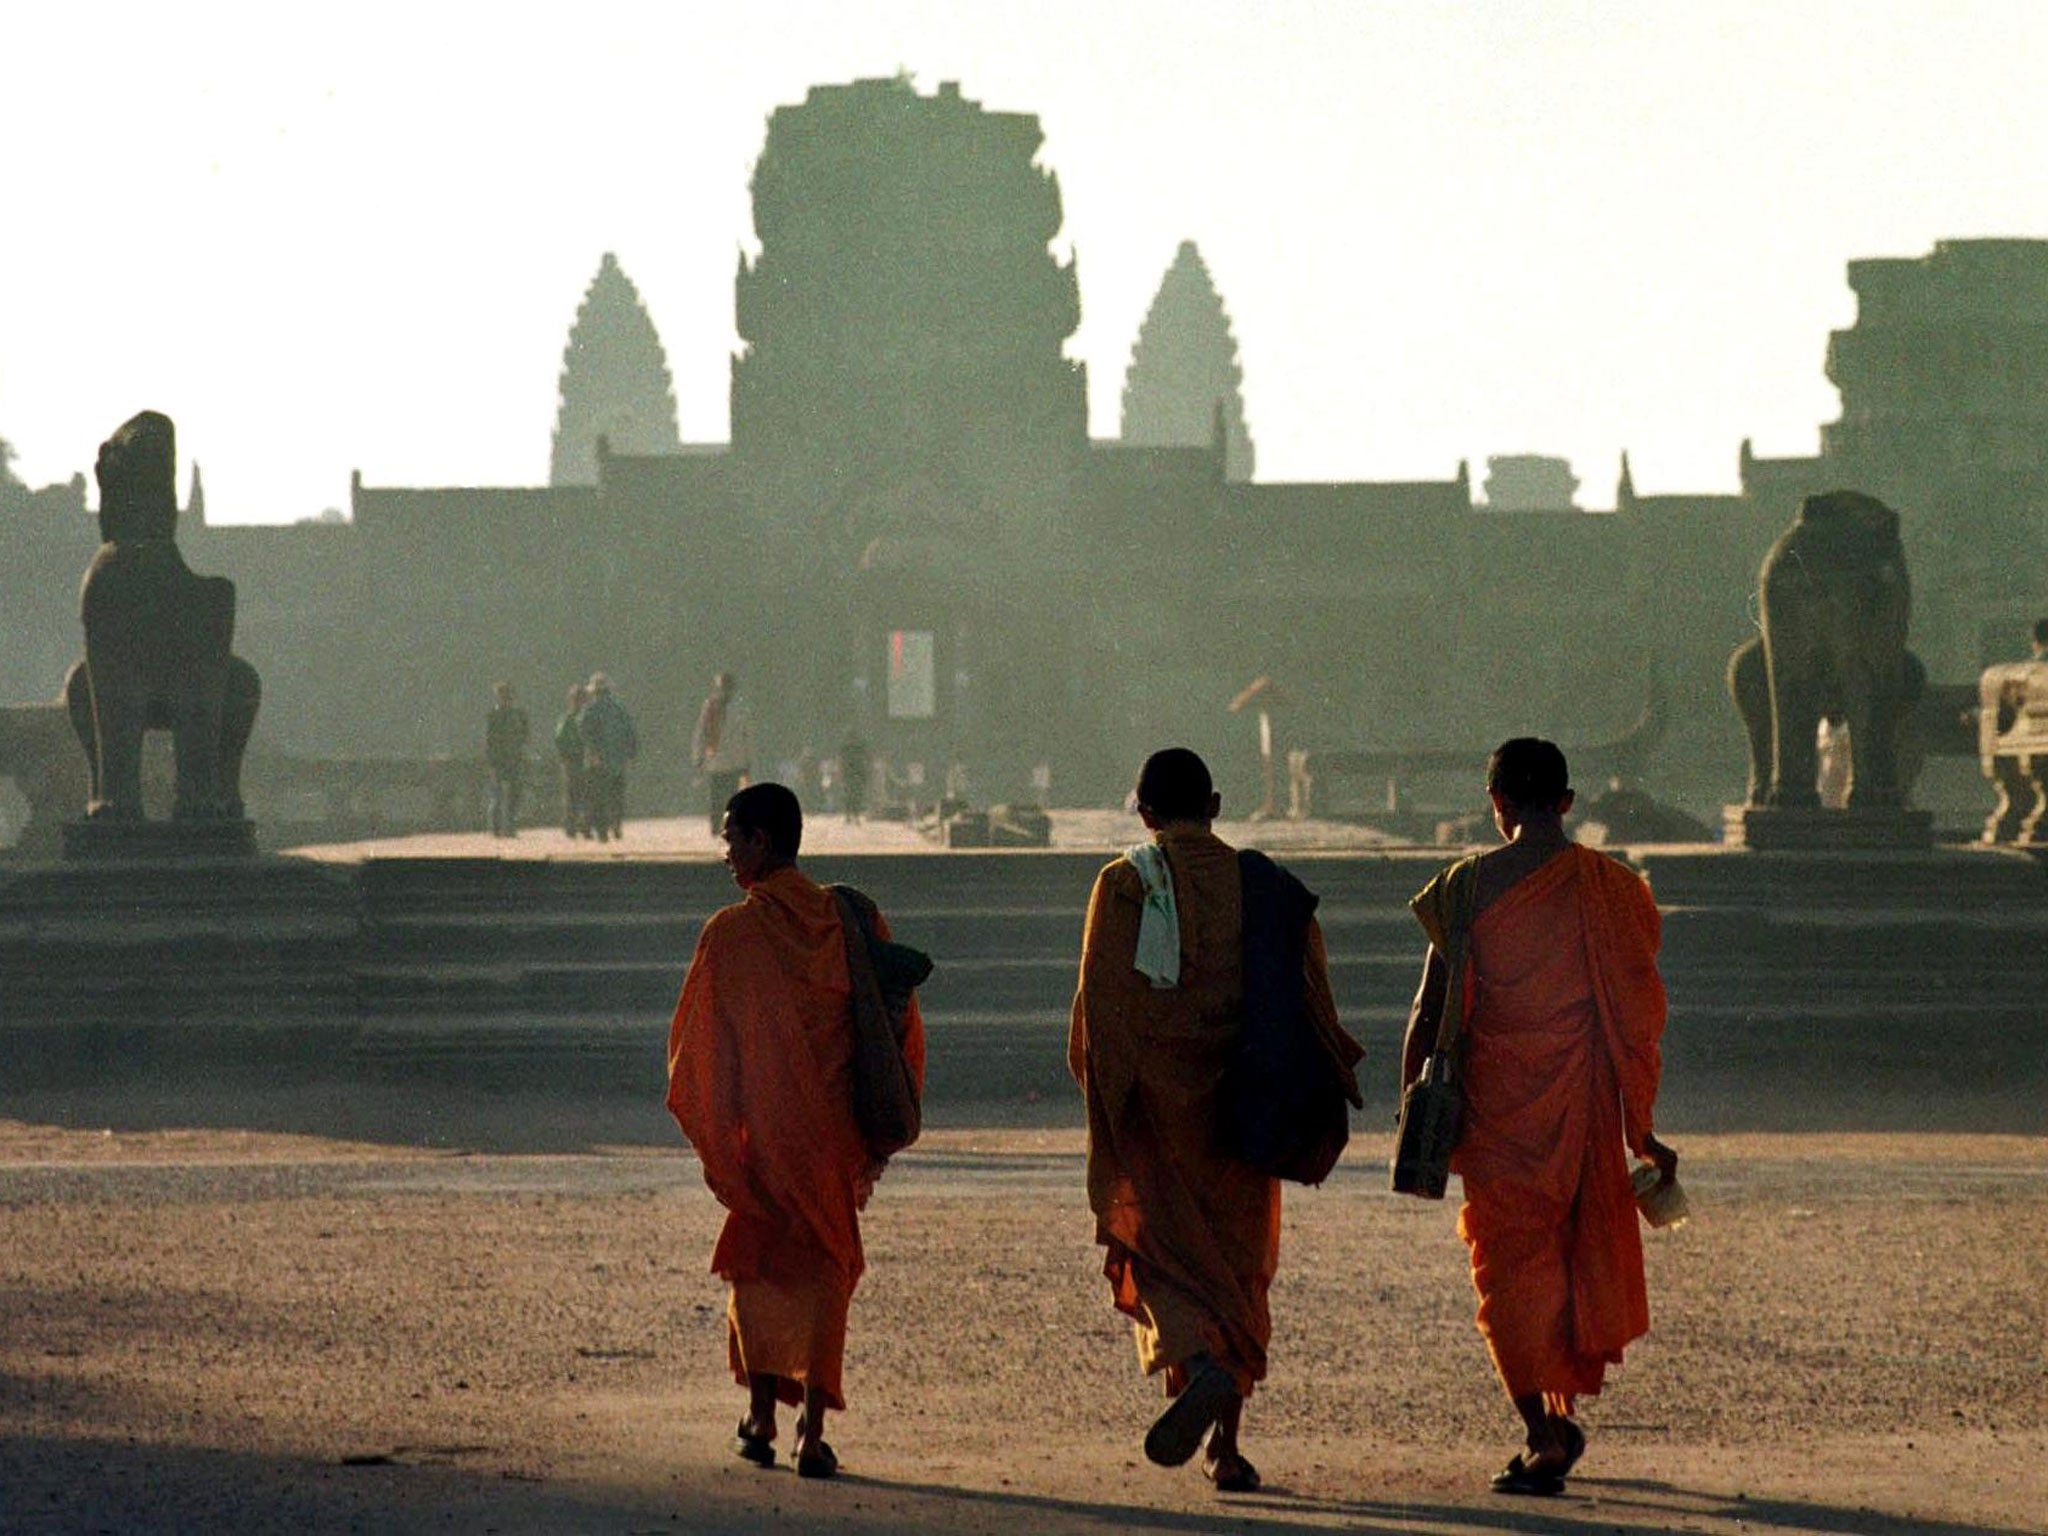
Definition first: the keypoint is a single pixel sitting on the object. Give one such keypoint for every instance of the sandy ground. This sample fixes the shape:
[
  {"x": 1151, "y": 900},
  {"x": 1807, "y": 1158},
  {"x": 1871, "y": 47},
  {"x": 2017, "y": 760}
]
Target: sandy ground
[
  {"x": 1102, "y": 831},
  {"x": 211, "y": 1330}
]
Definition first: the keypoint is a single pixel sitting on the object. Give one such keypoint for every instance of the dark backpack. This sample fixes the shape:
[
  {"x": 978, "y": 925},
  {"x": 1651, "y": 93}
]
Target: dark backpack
[
  {"x": 1284, "y": 1107},
  {"x": 882, "y": 975}
]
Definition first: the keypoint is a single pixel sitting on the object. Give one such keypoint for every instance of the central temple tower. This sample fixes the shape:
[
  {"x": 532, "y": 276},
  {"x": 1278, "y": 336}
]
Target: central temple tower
[
  {"x": 907, "y": 430},
  {"x": 905, "y": 321}
]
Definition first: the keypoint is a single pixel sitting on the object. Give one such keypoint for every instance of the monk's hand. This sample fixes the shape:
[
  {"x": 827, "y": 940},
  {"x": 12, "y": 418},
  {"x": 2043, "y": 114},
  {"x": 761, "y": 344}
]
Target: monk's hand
[{"x": 1665, "y": 1159}]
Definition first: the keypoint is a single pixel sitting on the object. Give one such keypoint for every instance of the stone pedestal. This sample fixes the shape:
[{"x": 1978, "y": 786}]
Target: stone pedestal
[
  {"x": 159, "y": 842},
  {"x": 1768, "y": 829}
]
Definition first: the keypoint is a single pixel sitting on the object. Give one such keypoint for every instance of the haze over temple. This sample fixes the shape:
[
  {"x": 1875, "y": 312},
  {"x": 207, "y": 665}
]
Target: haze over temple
[
  {"x": 911, "y": 535},
  {"x": 615, "y": 382}
]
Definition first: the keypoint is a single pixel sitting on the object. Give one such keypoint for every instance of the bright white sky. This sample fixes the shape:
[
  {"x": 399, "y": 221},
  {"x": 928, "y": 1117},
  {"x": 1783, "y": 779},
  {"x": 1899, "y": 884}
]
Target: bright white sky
[{"x": 356, "y": 239}]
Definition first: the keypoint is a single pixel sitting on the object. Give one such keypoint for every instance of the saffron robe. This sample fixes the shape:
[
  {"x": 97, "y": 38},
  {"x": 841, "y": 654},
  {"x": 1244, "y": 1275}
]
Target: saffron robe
[
  {"x": 1191, "y": 1236},
  {"x": 1563, "y": 1011},
  {"x": 760, "y": 1063}
]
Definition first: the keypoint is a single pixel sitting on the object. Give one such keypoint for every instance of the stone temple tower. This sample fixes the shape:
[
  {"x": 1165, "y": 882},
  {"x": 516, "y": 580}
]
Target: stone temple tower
[
  {"x": 905, "y": 320},
  {"x": 1944, "y": 383},
  {"x": 615, "y": 381},
  {"x": 1184, "y": 366}
]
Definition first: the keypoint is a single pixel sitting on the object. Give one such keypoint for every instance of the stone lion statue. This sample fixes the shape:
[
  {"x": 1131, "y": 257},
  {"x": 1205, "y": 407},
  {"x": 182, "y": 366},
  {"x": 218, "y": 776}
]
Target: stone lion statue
[
  {"x": 158, "y": 644},
  {"x": 1835, "y": 603}
]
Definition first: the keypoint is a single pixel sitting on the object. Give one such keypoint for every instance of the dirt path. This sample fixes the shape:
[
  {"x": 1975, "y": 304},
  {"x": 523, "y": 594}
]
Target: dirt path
[{"x": 214, "y": 1330}]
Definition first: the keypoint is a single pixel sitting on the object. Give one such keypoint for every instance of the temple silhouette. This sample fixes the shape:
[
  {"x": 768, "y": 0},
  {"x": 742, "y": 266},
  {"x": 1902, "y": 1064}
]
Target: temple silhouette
[
  {"x": 1184, "y": 370},
  {"x": 615, "y": 382},
  {"x": 911, "y": 535}
]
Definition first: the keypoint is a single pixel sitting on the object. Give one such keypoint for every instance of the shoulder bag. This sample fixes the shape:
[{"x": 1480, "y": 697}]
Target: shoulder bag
[
  {"x": 1433, "y": 1106},
  {"x": 881, "y": 976}
]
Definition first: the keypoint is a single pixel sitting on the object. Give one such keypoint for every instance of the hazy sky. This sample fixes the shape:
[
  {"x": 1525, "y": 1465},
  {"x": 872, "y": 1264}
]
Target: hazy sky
[{"x": 1443, "y": 230}]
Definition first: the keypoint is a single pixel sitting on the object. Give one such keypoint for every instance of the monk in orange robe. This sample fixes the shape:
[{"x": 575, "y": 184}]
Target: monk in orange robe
[
  {"x": 1192, "y": 1236},
  {"x": 1562, "y": 1009},
  {"x": 760, "y": 1079}
]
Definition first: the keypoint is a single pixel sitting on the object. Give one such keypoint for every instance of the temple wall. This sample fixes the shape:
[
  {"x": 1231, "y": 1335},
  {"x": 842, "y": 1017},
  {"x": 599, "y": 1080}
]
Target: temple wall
[
  {"x": 46, "y": 541},
  {"x": 1395, "y": 615}
]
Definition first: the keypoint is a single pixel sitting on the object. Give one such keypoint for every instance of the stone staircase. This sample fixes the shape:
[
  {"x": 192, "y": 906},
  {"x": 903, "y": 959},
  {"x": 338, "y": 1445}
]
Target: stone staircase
[
  {"x": 154, "y": 941},
  {"x": 597, "y": 951},
  {"x": 1798, "y": 985}
]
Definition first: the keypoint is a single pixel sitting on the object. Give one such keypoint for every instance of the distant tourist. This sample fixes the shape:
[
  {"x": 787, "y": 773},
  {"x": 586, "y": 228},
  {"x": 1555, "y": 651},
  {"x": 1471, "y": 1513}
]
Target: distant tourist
[
  {"x": 1192, "y": 1233},
  {"x": 1561, "y": 1017},
  {"x": 855, "y": 771},
  {"x": 722, "y": 745},
  {"x": 575, "y": 777},
  {"x": 609, "y": 743},
  {"x": 761, "y": 1080},
  {"x": 1834, "y": 753},
  {"x": 2041, "y": 639},
  {"x": 506, "y": 729},
  {"x": 807, "y": 777}
]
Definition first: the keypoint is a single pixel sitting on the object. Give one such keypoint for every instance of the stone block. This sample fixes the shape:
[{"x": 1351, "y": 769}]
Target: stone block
[
  {"x": 966, "y": 829},
  {"x": 1019, "y": 826},
  {"x": 156, "y": 842},
  {"x": 1768, "y": 829}
]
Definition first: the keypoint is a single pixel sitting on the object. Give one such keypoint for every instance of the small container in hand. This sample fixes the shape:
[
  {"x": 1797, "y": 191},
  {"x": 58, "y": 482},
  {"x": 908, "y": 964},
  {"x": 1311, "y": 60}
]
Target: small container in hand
[{"x": 1661, "y": 1201}]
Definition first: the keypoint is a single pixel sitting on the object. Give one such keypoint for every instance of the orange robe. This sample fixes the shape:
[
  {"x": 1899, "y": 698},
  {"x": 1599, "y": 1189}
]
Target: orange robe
[
  {"x": 1192, "y": 1237},
  {"x": 760, "y": 1078},
  {"x": 1563, "y": 1011}
]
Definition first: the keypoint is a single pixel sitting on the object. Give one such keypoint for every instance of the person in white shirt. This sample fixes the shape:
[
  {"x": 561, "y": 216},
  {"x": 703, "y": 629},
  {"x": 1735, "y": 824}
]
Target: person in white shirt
[{"x": 722, "y": 746}]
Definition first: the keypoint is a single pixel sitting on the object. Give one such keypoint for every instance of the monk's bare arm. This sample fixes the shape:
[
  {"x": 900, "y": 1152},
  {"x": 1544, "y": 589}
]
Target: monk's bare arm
[
  {"x": 1425, "y": 1016},
  {"x": 1109, "y": 945},
  {"x": 1639, "y": 990},
  {"x": 1077, "y": 1023}
]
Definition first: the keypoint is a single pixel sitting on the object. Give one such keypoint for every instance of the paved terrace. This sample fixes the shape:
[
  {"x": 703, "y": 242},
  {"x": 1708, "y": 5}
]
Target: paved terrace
[{"x": 1104, "y": 832}]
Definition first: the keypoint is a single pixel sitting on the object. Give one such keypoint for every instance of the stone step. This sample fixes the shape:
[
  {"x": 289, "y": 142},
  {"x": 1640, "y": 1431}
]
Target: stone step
[
  {"x": 1728, "y": 1071},
  {"x": 1044, "y": 986},
  {"x": 113, "y": 893},
  {"x": 1048, "y": 881},
  {"x": 478, "y": 936},
  {"x": 1945, "y": 880}
]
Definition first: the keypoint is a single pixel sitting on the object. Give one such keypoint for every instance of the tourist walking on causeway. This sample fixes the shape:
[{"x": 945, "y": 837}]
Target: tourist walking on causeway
[
  {"x": 505, "y": 731},
  {"x": 722, "y": 745},
  {"x": 569, "y": 751},
  {"x": 1561, "y": 1009},
  {"x": 855, "y": 766},
  {"x": 1191, "y": 1228},
  {"x": 609, "y": 743},
  {"x": 762, "y": 1079}
]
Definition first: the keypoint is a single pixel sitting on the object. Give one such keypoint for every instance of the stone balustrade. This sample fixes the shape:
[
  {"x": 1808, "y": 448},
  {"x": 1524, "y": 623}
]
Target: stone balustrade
[
  {"x": 2012, "y": 744},
  {"x": 298, "y": 799}
]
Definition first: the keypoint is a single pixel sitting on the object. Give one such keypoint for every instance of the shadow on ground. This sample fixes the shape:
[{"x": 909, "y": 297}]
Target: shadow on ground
[
  {"x": 95, "y": 1485},
  {"x": 82, "y": 1486}
]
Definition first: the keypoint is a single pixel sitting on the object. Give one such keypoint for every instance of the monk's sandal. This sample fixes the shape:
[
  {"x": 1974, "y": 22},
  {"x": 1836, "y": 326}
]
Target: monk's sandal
[
  {"x": 748, "y": 1446},
  {"x": 1177, "y": 1433}
]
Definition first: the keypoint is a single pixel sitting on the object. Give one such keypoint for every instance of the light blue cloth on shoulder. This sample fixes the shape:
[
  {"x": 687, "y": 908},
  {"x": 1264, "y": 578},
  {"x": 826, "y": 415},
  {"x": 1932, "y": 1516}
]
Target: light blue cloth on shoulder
[{"x": 1158, "y": 957}]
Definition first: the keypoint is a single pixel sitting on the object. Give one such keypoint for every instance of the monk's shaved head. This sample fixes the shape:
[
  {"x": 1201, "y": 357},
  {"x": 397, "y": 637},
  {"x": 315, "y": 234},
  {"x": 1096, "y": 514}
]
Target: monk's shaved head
[
  {"x": 771, "y": 810},
  {"x": 1174, "y": 785},
  {"x": 1529, "y": 773}
]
